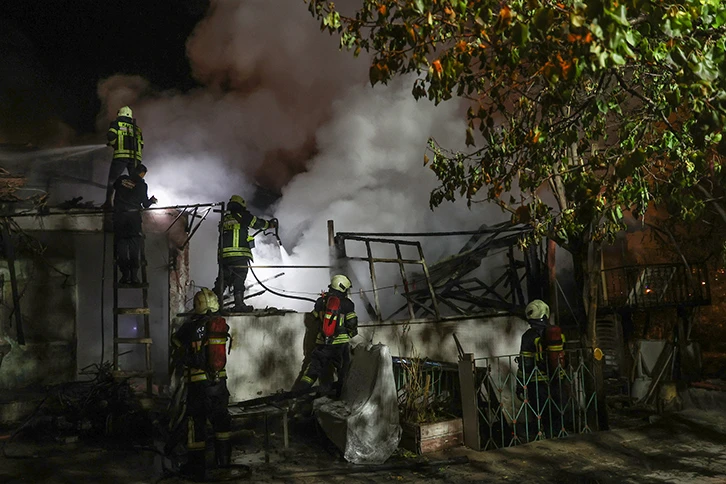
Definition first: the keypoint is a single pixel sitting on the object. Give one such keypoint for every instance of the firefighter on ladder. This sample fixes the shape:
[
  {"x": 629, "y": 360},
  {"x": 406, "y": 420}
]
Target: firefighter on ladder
[
  {"x": 541, "y": 365},
  {"x": 236, "y": 249},
  {"x": 200, "y": 345},
  {"x": 338, "y": 323},
  {"x": 131, "y": 195},
  {"x": 127, "y": 141}
]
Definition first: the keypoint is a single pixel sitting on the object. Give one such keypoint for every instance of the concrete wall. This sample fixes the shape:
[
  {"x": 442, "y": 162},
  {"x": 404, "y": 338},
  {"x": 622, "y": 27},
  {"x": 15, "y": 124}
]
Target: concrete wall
[
  {"x": 48, "y": 309},
  {"x": 267, "y": 352},
  {"x": 62, "y": 315}
]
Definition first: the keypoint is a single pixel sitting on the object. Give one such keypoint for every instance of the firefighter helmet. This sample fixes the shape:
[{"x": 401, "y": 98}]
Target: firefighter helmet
[
  {"x": 340, "y": 283},
  {"x": 126, "y": 111},
  {"x": 537, "y": 310},
  {"x": 238, "y": 199},
  {"x": 205, "y": 301}
]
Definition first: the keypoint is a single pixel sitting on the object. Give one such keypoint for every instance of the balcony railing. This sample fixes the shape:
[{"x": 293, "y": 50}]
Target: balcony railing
[{"x": 654, "y": 286}]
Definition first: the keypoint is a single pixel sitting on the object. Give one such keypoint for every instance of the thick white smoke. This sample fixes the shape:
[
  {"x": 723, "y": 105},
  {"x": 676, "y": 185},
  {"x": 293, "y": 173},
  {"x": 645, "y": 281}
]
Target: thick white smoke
[{"x": 284, "y": 108}]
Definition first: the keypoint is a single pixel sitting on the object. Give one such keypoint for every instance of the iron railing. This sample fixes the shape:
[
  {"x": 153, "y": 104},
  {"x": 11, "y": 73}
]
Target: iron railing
[
  {"x": 516, "y": 408},
  {"x": 654, "y": 286},
  {"x": 443, "y": 378}
]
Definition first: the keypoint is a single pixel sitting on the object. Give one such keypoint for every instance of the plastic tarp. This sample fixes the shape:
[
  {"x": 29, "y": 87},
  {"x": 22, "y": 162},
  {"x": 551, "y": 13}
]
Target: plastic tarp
[{"x": 363, "y": 424}]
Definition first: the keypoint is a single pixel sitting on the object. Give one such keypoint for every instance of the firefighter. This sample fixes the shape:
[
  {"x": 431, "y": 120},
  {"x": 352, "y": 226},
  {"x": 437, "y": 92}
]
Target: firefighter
[
  {"x": 536, "y": 383},
  {"x": 236, "y": 249},
  {"x": 337, "y": 324},
  {"x": 130, "y": 197},
  {"x": 200, "y": 345},
  {"x": 127, "y": 141}
]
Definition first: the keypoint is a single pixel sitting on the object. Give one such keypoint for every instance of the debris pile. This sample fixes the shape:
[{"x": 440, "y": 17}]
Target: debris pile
[{"x": 102, "y": 407}]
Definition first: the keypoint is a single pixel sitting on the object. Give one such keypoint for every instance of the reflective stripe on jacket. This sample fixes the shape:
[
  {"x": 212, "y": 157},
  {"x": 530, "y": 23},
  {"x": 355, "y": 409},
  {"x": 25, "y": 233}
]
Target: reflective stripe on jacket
[
  {"x": 236, "y": 239},
  {"x": 195, "y": 375},
  {"x": 126, "y": 139}
]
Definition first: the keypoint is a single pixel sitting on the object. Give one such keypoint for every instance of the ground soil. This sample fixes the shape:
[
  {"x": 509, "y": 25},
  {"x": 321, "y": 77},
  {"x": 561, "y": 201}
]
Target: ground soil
[{"x": 683, "y": 447}]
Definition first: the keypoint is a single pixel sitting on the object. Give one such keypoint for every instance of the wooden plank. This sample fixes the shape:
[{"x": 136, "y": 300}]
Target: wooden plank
[
  {"x": 132, "y": 311},
  {"x": 130, "y": 341},
  {"x": 469, "y": 407},
  {"x": 439, "y": 436},
  {"x": 441, "y": 443},
  {"x": 438, "y": 429}
]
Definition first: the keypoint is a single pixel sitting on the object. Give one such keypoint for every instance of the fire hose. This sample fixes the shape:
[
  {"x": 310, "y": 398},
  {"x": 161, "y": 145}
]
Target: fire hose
[
  {"x": 276, "y": 231},
  {"x": 277, "y": 293}
]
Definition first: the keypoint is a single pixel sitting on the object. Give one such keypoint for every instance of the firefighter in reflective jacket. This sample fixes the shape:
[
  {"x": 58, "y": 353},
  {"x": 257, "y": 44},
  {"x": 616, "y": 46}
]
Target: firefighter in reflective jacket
[
  {"x": 541, "y": 363},
  {"x": 200, "y": 344},
  {"x": 338, "y": 323},
  {"x": 127, "y": 141},
  {"x": 236, "y": 248}
]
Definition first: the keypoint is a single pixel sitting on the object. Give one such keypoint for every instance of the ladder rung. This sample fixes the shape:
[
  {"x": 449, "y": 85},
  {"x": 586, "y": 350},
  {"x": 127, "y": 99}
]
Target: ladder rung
[
  {"x": 130, "y": 341},
  {"x": 132, "y": 311}
]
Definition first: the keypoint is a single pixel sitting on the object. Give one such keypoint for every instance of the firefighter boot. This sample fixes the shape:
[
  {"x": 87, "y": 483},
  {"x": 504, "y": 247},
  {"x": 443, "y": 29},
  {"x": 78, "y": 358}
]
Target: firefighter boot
[
  {"x": 125, "y": 273},
  {"x": 134, "y": 273},
  {"x": 239, "y": 303},
  {"x": 195, "y": 467},
  {"x": 223, "y": 452}
]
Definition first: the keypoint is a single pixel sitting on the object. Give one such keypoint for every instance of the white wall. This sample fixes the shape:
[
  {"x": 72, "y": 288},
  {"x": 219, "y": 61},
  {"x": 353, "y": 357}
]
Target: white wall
[{"x": 267, "y": 351}]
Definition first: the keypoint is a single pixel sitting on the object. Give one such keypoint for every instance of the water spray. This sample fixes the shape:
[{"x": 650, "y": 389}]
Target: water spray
[{"x": 49, "y": 154}]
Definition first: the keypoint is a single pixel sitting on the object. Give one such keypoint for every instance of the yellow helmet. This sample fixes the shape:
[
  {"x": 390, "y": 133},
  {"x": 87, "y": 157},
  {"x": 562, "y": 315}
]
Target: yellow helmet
[
  {"x": 237, "y": 199},
  {"x": 537, "y": 310},
  {"x": 205, "y": 301},
  {"x": 126, "y": 111},
  {"x": 340, "y": 283}
]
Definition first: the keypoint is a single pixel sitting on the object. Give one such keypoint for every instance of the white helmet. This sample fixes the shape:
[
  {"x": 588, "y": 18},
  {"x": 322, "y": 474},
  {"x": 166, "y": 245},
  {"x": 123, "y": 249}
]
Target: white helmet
[
  {"x": 340, "y": 283},
  {"x": 205, "y": 300},
  {"x": 126, "y": 111},
  {"x": 537, "y": 310}
]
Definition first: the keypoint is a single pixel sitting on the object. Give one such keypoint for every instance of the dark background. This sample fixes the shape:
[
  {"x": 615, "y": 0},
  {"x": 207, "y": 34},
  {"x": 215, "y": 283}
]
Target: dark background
[{"x": 54, "y": 52}]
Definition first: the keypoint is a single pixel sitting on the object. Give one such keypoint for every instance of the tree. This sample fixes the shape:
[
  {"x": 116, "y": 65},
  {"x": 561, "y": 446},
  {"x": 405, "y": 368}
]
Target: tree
[{"x": 614, "y": 105}]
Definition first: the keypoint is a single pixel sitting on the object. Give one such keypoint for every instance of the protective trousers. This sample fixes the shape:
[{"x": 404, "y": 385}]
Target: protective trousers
[
  {"x": 118, "y": 165},
  {"x": 127, "y": 244},
  {"x": 322, "y": 356},
  {"x": 234, "y": 274},
  {"x": 207, "y": 401}
]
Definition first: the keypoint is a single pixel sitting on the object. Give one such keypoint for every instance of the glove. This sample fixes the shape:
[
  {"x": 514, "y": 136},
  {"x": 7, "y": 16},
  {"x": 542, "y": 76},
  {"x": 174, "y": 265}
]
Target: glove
[
  {"x": 273, "y": 224},
  {"x": 153, "y": 200}
]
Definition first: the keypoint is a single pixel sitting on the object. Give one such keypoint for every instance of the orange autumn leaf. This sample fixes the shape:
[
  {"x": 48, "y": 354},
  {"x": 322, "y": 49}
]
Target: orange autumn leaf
[
  {"x": 382, "y": 10},
  {"x": 565, "y": 66},
  {"x": 437, "y": 66},
  {"x": 505, "y": 14}
]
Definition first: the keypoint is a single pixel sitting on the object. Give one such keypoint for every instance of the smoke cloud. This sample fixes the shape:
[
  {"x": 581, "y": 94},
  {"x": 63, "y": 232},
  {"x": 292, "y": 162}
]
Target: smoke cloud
[{"x": 281, "y": 107}]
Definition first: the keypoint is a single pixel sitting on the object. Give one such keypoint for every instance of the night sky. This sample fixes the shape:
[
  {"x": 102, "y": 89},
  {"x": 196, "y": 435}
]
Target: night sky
[{"x": 54, "y": 52}]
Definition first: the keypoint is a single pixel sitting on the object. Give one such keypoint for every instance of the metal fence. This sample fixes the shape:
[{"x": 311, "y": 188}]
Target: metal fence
[
  {"x": 658, "y": 285},
  {"x": 515, "y": 408},
  {"x": 443, "y": 377}
]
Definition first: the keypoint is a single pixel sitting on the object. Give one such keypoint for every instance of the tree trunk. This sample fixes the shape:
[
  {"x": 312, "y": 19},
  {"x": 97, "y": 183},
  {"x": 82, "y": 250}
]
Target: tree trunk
[
  {"x": 552, "y": 281},
  {"x": 592, "y": 277},
  {"x": 591, "y": 269}
]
